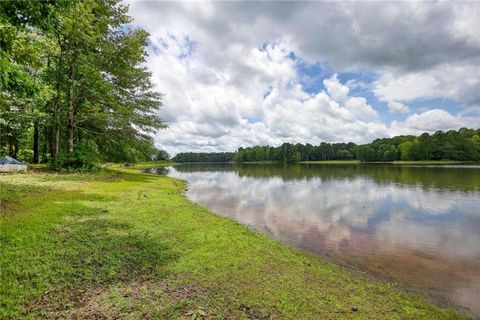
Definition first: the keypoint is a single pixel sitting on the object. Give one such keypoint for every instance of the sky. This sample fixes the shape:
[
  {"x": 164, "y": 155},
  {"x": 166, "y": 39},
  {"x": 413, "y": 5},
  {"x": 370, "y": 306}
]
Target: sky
[{"x": 238, "y": 74}]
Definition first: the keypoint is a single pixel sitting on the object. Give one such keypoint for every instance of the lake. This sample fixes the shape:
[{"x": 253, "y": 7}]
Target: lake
[{"x": 418, "y": 226}]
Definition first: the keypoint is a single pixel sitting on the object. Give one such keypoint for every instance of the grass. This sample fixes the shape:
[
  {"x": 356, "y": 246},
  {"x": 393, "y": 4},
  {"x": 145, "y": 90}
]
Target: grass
[
  {"x": 120, "y": 244},
  {"x": 146, "y": 165},
  {"x": 391, "y": 162},
  {"x": 333, "y": 162},
  {"x": 430, "y": 162}
]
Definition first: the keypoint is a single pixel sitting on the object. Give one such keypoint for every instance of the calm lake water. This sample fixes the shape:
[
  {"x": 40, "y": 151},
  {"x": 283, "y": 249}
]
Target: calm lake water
[{"x": 418, "y": 226}]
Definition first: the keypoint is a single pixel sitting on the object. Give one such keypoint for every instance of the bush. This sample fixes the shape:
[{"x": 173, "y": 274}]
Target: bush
[{"x": 79, "y": 161}]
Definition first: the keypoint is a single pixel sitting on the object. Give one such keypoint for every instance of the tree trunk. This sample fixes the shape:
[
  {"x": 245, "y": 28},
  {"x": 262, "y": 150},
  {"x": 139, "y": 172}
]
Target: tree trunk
[
  {"x": 70, "y": 110},
  {"x": 55, "y": 135},
  {"x": 11, "y": 152},
  {"x": 46, "y": 141},
  {"x": 57, "y": 140},
  {"x": 35, "y": 143},
  {"x": 51, "y": 142},
  {"x": 55, "y": 127},
  {"x": 15, "y": 144}
]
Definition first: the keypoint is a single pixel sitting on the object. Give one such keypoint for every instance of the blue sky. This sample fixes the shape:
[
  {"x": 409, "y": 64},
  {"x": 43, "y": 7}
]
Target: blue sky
[
  {"x": 254, "y": 73},
  {"x": 312, "y": 75}
]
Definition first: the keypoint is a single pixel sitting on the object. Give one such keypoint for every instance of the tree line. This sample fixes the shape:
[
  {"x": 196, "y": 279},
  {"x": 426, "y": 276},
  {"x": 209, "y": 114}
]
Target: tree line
[
  {"x": 461, "y": 145},
  {"x": 204, "y": 157},
  {"x": 73, "y": 85},
  {"x": 458, "y": 178}
]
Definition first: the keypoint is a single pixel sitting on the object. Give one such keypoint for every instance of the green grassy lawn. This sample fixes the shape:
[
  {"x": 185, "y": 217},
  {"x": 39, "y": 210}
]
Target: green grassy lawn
[{"x": 129, "y": 245}]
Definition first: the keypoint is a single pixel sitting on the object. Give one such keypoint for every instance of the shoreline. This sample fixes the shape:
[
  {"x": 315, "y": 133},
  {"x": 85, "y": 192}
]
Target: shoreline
[
  {"x": 184, "y": 255},
  {"x": 396, "y": 162}
]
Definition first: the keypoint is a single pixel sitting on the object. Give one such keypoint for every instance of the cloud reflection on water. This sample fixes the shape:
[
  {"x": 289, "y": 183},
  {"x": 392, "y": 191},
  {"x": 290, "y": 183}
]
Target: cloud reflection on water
[{"x": 406, "y": 232}]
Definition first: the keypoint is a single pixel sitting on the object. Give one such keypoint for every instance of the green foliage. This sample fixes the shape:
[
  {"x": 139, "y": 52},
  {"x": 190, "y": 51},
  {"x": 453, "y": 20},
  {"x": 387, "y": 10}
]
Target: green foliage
[
  {"x": 87, "y": 246},
  {"x": 73, "y": 77},
  {"x": 290, "y": 153},
  {"x": 461, "y": 145},
  {"x": 162, "y": 155},
  {"x": 203, "y": 157},
  {"x": 82, "y": 160},
  {"x": 22, "y": 92}
]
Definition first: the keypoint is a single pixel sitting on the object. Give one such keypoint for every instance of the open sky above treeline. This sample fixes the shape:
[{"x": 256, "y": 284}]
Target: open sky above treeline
[{"x": 239, "y": 74}]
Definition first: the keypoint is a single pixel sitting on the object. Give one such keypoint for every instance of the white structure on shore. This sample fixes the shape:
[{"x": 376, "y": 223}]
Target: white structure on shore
[{"x": 8, "y": 164}]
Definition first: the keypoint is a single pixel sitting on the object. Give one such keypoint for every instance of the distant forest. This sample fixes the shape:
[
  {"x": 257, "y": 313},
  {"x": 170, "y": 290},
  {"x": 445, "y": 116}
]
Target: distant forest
[{"x": 461, "y": 145}]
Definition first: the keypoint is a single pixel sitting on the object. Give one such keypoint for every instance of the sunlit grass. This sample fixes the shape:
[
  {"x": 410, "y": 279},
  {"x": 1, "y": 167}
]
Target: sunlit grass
[
  {"x": 129, "y": 245},
  {"x": 334, "y": 162},
  {"x": 429, "y": 162}
]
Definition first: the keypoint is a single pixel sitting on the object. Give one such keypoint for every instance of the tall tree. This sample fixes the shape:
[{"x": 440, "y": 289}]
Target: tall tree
[{"x": 100, "y": 103}]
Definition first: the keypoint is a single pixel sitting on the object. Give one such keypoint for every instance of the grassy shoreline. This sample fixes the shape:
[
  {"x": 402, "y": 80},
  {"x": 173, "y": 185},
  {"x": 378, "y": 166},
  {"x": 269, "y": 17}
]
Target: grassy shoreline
[
  {"x": 426, "y": 162},
  {"x": 123, "y": 244},
  {"x": 419, "y": 162},
  {"x": 332, "y": 162},
  {"x": 433, "y": 162}
]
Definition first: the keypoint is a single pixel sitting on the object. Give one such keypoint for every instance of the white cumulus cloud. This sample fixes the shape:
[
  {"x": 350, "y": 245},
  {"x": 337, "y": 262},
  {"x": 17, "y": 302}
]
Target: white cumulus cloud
[
  {"x": 231, "y": 76},
  {"x": 397, "y": 107},
  {"x": 433, "y": 120}
]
